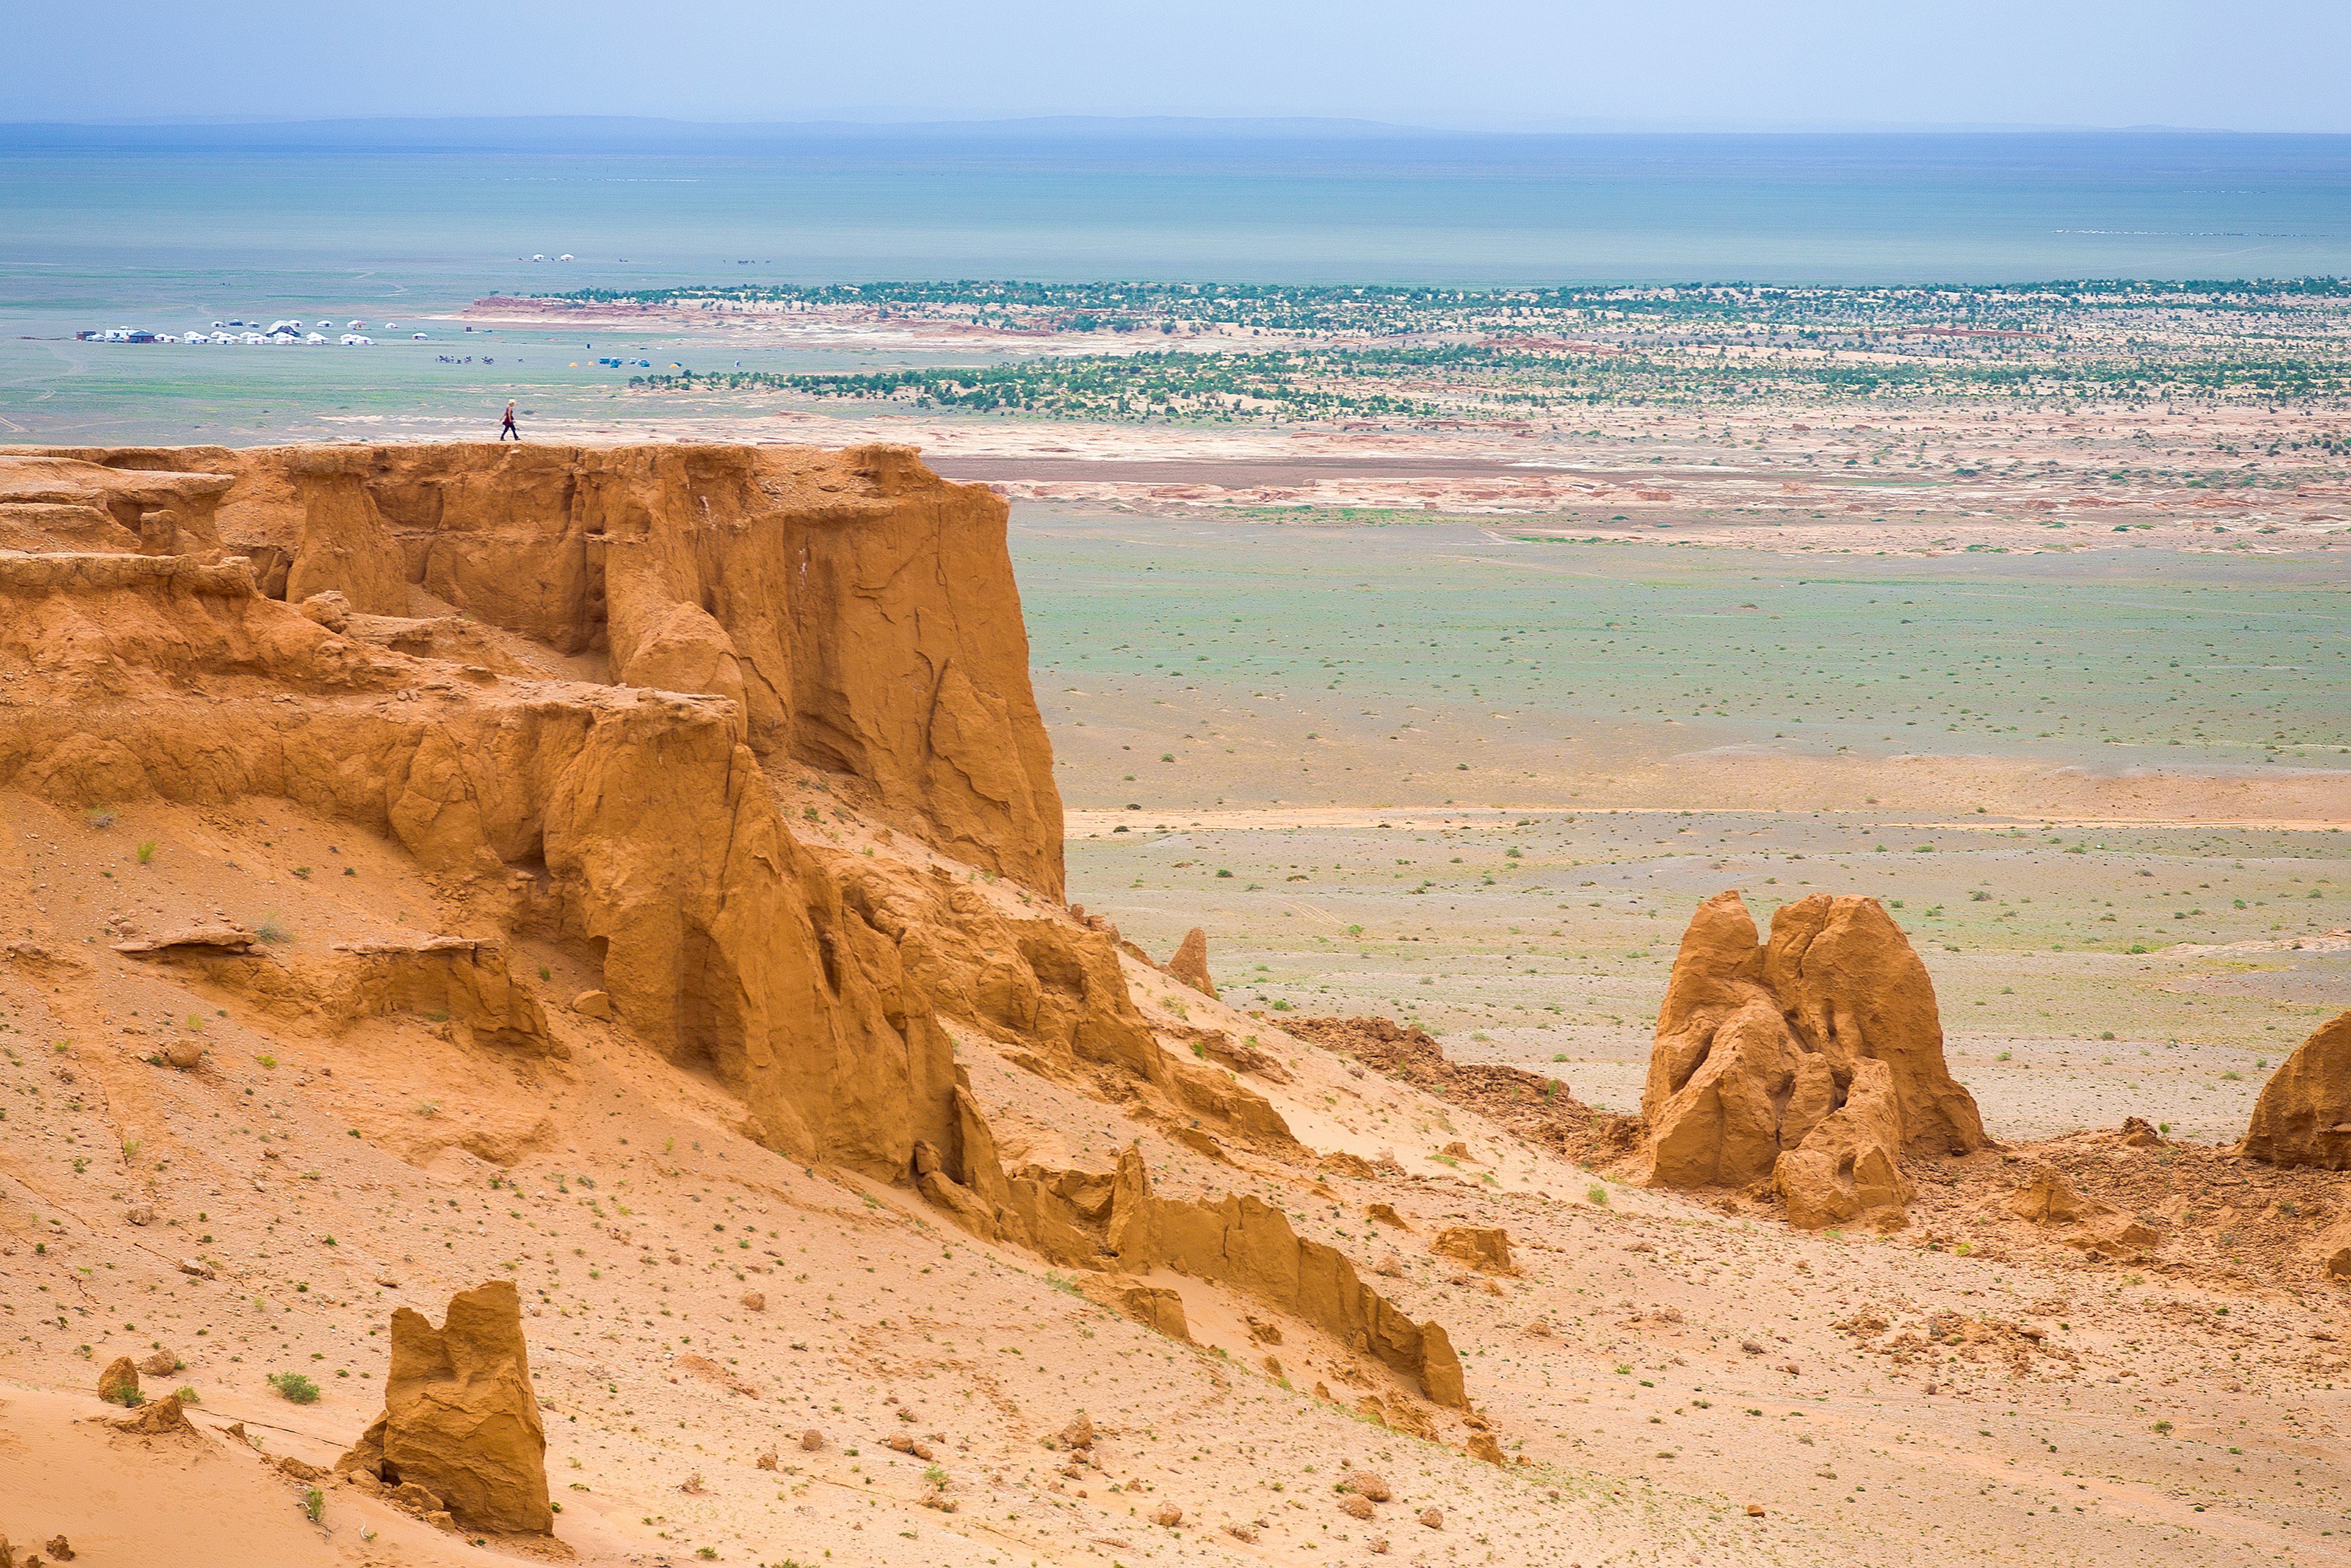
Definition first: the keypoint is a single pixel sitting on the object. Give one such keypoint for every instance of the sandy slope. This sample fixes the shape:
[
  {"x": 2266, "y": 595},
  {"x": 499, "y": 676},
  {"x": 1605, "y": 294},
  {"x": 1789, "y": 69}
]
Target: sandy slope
[{"x": 637, "y": 1220}]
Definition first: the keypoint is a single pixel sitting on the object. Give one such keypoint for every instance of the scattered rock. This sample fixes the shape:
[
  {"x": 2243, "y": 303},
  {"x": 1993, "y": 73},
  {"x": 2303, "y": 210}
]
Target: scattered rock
[
  {"x": 811, "y": 1440},
  {"x": 755, "y": 1301},
  {"x": 60, "y": 1548},
  {"x": 329, "y": 609},
  {"x": 691, "y": 1485},
  {"x": 2047, "y": 1198},
  {"x": 1078, "y": 1434},
  {"x": 593, "y": 1004},
  {"x": 1432, "y": 1517},
  {"x": 1385, "y": 1214},
  {"x": 2304, "y": 1117},
  {"x": 197, "y": 1268},
  {"x": 1540, "y": 1328},
  {"x": 1367, "y": 1484},
  {"x": 767, "y": 1459},
  {"x": 1357, "y": 1506},
  {"x": 163, "y": 1363},
  {"x": 119, "y": 1384},
  {"x": 1241, "y": 1531},
  {"x": 185, "y": 1055},
  {"x": 1754, "y": 1511},
  {"x": 1167, "y": 1515},
  {"x": 1480, "y": 1246},
  {"x": 140, "y": 1214},
  {"x": 2121, "y": 1235},
  {"x": 460, "y": 1416},
  {"x": 2139, "y": 1133}
]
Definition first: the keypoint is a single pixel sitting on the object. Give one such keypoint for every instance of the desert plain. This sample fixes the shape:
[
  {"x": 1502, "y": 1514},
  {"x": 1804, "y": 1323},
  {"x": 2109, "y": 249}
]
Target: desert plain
[{"x": 1410, "y": 728}]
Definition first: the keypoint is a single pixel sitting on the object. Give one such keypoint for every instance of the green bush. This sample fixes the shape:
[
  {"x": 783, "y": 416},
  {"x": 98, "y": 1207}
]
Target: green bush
[{"x": 294, "y": 1386}]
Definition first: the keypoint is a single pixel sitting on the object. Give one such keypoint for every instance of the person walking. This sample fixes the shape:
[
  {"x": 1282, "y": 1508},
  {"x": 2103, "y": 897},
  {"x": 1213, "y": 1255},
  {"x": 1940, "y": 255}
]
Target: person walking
[{"x": 507, "y": 428}]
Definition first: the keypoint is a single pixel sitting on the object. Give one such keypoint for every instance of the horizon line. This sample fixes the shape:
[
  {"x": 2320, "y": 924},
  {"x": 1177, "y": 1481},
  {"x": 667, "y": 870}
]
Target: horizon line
[{"x": 876, "y": 122}]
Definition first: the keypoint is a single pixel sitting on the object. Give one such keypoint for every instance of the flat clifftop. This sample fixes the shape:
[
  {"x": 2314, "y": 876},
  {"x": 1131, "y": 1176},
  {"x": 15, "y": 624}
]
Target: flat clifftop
[{"x": 860, "y": 610}]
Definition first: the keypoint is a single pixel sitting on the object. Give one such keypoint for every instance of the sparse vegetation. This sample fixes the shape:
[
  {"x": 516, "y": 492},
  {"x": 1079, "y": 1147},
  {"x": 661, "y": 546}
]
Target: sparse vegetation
[{"x": 294, "y": 1387}]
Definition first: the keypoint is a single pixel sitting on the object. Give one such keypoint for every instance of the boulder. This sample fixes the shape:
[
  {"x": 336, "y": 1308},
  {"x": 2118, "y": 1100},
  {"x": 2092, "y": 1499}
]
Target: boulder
[
  {"x": 119, "y": 1384},
  {"x": 460, "y": 1418},
  {"x": 1824, "y": 1041},
  {"x": 2304, "y": 1117},
  {"x": 1190, "y": 964}
]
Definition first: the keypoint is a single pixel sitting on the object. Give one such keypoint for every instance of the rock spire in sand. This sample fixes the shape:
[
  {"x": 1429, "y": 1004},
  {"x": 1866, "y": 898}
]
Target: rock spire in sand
[
  {"x": 459, "y": 1416},
  {"x": 1813, "y": 1061},
  {"x": 1190, "y": 963},
  {"x": 2304, "y": 1117}
]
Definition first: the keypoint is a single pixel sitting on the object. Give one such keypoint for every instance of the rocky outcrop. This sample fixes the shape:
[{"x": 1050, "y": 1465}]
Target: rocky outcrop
[
  {"x": 2304, "y": 1117},
  {"x": 1813, "y": 1062},
  {"x": 1482, "y": 1247},
  {"x": 1155, "y": 1307},
  {"x": 159, "y": 1418},
  {"x": 859, "y": 611},
  {"x": 1190, "y": 963},
  {"x": 54, "y": 502},
  {"x": 1244, "y": 1243},
  {"x": 460, "y": 1418},
  {"x": 846, "y": 612},
  {"x": 464, "y": 981}
]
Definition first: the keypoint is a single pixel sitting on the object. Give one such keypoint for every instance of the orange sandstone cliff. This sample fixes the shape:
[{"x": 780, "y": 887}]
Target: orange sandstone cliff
[{"x": 617, "y": 700}]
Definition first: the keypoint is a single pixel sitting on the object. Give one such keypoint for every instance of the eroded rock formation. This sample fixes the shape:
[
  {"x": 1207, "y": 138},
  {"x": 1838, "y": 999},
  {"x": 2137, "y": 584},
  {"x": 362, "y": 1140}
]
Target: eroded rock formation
[
  {"x": 1190, "y": 962},
  {"x": 460, "y": 1418},
  {"x": 861, "y": 611},
  {"x": 1813, "y": 1061},
  {"x": 2304, "y": 1117},
  {"x": 616, "y": 700},
  {"x": 847, "y": 611}
]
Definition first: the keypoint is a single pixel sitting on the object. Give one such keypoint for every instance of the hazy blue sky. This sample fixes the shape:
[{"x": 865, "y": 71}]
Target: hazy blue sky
[{"x": 2278, "y": 66}]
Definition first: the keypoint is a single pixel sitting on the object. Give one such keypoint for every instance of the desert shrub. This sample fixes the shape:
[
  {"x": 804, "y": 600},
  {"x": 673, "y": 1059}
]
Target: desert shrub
[{"x": 295, "y": 1388}]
